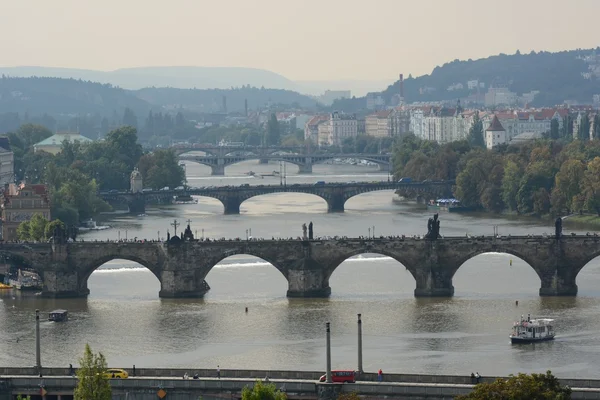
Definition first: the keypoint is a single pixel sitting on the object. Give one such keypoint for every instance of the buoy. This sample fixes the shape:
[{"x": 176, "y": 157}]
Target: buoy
[
  {"x": 246, "y": 309},
  {"x": 517, "y": 303},
  {"x": 511, "y": 261}
]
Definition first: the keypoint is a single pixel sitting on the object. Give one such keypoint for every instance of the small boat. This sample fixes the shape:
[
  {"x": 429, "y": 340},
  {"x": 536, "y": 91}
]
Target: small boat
[
  {"x": 58, "y": 316},
  {"x": 90, "y": 225},
  {"x": 532, "y": 330}
]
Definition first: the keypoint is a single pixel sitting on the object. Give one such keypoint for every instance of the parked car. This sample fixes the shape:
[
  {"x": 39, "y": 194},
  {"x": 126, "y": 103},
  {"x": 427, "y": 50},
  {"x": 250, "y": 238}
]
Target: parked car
[{"x": 116, "y": 373}]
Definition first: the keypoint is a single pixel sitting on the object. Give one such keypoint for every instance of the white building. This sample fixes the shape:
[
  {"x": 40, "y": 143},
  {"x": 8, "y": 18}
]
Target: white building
[
  {"x": 495, "y": 134},
  {"x": 337, "y": 128},
  {"x": 374, "y": 101},
  {"x": 497, "y": 96},
  {"x": 311, "y": 128},
  {"x": 7, "y": 163}
]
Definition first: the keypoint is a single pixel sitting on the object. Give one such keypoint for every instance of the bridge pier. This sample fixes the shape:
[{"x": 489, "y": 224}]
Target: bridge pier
[
  {"x": 434, "y": 276},
  {"x": 63, "y": 284},
  {"x": 263, "y": 160},
  {"x": 335, "y": 203},
  {"x": 305, "y": 168},
  {"x": 183, "y": 284},
  {"x": 217, "y": 170},
  {"x": 308, "y": 280},
  {"x": 137, "y": 205},
  {"x": 231, "y": 204},
  {"x": 384, "y": 167},
  {"x": 558, "y": 282}
]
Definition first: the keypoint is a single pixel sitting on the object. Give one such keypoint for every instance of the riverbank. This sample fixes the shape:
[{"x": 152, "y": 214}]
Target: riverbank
[{"x": 589, "y": 220}]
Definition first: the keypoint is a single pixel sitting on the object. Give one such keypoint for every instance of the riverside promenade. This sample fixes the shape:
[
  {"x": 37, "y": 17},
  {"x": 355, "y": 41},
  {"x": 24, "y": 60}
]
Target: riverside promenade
[{"x": 150, "y": 383}]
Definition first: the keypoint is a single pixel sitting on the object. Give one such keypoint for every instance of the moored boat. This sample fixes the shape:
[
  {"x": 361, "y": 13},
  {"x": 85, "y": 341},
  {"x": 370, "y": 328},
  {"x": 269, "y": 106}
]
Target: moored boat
[{"x": 532, "y": 330}]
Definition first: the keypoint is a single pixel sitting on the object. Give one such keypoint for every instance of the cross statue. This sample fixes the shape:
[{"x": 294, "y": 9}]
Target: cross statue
[
  {"x": 189, "y": 221},
  {"x": 175, "y": 224}
]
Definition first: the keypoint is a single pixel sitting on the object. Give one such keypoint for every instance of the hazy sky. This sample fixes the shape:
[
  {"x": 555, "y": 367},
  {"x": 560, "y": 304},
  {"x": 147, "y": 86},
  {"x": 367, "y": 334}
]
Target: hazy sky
[{"x": 300, "y": 39}]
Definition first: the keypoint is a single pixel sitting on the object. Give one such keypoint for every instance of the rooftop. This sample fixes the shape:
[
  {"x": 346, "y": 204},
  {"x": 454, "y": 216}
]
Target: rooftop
[{"x": 58, "y": 138}]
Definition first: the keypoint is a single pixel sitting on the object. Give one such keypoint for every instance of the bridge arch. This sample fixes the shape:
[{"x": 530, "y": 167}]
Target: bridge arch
[
  {"x": 376, "y": 257},
  {"x": 494, "y": 248},
  {"x": 302, "y": 206},
  {"x": 496, "y": 274},
  {"x": 242, "y": 273}
]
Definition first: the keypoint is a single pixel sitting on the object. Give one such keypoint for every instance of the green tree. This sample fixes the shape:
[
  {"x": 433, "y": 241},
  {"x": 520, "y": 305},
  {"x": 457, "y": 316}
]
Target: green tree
[
  {"x": 475, "y": 137},
  {"x": 521, "y": 387},
  {"x": 554, "y": 129},
  {"x": 92, "y": 383},
  {"x": 123, "y": 146},
  {"x": 584, "y": 128},
  {"x": 263, "y": 391},
  {"x": 23, "y": 231},
  {"x": 591, "y": 185},
  {"x": 161, "y": 168},
  {"x": 349, "y": 396},
  {"x": 273, "y": 134},
  {"x": 597, "y": 127},
  {"x": 567, "y": 129},
  {"x": 569, "y": 180},
  {"x": 510, "y": 184},
  {"x": 129, "y": 118},
  {"x": 37, "y": 227},
  {"x": 55, "y": 228},
  {"x": 19, "y": 397}
]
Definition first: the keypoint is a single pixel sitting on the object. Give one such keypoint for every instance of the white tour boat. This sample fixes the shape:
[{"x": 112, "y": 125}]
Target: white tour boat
[{"x": 532, "y": 330}]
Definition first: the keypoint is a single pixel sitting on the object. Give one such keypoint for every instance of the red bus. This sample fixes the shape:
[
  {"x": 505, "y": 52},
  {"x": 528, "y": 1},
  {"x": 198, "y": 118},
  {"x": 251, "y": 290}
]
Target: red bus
[{"x": 341, "y": 376}]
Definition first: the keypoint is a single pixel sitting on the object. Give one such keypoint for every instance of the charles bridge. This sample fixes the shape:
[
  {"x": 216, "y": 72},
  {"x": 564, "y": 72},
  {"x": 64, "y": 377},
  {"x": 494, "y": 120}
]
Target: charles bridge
[
  {"x": 335, "y": 194},
  {"x": 182, "y": 266},
  {"x": 305, "y": 162}
]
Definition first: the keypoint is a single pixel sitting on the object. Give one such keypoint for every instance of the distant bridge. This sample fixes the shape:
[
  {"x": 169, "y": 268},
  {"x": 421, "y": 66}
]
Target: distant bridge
[
  {"x": 335, "y": 194},
  {"x": 221, "y": 151},
  {"x": 305, "y": 162}
]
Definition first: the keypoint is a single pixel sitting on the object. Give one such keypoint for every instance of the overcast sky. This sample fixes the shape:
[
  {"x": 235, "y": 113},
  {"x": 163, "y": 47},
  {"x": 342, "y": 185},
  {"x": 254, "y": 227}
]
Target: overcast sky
[{"x": 300, "y": 39}]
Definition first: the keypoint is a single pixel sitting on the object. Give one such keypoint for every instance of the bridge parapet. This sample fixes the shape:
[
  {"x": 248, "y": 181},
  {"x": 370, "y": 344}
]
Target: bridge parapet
[{"x": 307, "y": 265}]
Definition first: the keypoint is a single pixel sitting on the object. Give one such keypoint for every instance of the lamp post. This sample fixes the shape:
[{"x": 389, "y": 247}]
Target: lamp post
[
  {"x": 328, "y": 344},
  {"x": 158, "y": 235},
  {"x": 369, "y": 232},
  {"x": 360, "y": 361},
  {"x": 38, "y": 357}
]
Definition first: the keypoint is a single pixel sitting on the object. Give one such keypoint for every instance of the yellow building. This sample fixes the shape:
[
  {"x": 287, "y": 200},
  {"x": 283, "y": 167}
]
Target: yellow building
[
  {"x": 20, "y": 203},
  {"x": 53, "y": 144}
]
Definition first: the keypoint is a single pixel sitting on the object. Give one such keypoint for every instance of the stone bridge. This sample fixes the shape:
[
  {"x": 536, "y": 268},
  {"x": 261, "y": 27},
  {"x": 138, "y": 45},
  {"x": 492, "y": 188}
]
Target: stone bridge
[
  {"x": 335, "y": 194},
  {"x": 221, "y": 151},
  {"x": 303, "y": 161},
  {"x": 306, "y": 264}
]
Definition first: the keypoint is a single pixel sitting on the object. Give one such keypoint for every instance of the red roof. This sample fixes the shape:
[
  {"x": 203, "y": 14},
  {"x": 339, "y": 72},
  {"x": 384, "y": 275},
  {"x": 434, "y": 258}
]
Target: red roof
[
  {"x": 495, "y": 126},
  {"x": 381, "y": 114}
]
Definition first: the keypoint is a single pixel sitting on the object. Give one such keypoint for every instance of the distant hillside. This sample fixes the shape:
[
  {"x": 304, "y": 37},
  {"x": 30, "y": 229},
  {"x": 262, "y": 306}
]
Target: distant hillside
[
  {"x": 177, "y": 77},
  {"x": 210, "y": 100},
  {"x": 557, "y": 77},
  {"x": 54, "y": 96}
]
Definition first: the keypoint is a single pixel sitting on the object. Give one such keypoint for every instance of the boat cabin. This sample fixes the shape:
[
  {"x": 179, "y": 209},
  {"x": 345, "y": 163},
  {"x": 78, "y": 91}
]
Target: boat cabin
[
  {"x": 529, "y": 330},
  {"x": 58, "y": 316}
]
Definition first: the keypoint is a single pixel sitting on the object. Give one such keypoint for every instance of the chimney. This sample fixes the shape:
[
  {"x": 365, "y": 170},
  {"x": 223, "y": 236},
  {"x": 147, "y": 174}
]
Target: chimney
[{"x": 402, "y": 86}]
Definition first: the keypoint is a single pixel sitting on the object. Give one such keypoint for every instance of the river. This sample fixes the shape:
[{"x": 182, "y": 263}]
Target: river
[{"x": 124, "y": 318}]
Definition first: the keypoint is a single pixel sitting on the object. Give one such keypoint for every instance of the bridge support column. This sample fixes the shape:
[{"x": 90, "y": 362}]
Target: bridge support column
[
  {"x": 434, "y": 277},
  {"x": 137, "y": 205},
  {"x": 305, "y": 168},
  {"x": 183, "y": 284},
  {"x": 307, "y": 280},
  {"x": 62, "y": 284},
  {"x": 335, "y": 202},
  {"x": 232, "y": 204},
  {"x": 384, "y": 167},
  {"x": 559, "y": 282},
  {"x": 263, "y": 160},
  {"x": 217, "y": 170}
]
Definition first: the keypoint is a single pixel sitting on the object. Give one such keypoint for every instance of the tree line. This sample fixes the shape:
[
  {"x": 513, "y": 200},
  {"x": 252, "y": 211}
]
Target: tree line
[
  {"x": 542, "y": 177},
  {"x": 76, "y": 174}
]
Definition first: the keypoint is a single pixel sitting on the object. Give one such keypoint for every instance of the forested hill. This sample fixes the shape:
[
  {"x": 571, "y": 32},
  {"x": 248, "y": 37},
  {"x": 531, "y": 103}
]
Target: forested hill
[
  {"x": 212, "y": 99},
  {"x": 56, "y": 96},
  {"x": 60, "y": 97},
  {"x": 557, "y": 77}
]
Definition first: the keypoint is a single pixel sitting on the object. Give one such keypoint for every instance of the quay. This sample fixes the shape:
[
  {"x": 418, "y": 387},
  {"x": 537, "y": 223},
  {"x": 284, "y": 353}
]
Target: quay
[
  {"x": 147, "y": 383},
  {"x": 182, "y": 266}
]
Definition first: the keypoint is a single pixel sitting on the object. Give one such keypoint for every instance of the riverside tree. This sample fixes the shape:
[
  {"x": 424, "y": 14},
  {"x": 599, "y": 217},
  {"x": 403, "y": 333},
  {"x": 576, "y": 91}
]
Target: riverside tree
[
  {"x": 92, "y": 382},
  {"x": 521, "y": 387},
  {"x": 263, "y": 391}
]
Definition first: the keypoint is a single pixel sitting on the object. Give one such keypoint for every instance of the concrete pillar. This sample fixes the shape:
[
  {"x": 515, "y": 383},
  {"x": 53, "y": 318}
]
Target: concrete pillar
[
  {"x": 305, "y": 168},
  {"x": 38, "y": 347},
  {"x": 336, "y": 201},
  {"x": 183, "y": 284},
  {"x": 328, "y": 353},
  {"x": 360, "y": 360},
  {"x": 384, "y": 167},
  {"x": 307, "y": 283},
  {"x": 231, "y": 203},
  {"x": 217, "y": 170}
]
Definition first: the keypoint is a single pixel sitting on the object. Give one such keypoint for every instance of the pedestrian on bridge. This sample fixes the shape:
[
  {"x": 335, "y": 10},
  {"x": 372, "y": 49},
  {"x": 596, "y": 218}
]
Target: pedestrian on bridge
[{"x": 218, "y": 372}]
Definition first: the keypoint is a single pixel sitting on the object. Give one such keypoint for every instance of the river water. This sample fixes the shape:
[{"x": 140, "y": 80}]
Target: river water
[{"x": 124, "y": 318}]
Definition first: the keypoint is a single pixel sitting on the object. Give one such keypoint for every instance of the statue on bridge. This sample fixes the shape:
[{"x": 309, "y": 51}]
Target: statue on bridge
[
  {"x": 188, "y": 235},
  {"x": 304, "y": 236},
  {"x": 433, "y": 228},
  {"x": 558, "y": 228},
  {"x": 310, "y": 231}
]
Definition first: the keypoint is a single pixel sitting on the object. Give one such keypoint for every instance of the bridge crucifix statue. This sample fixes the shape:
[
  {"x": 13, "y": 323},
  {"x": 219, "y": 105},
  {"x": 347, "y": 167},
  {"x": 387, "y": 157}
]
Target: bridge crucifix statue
[
  {"x": 310, "y": 231},
  {"x": 175, "y": 224},
  {"x": 558, "y": 228},
  {"x": 433, "y": 228},
  {"x": 188, "y": 235},
  {"x": 304, "y": 236}
]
